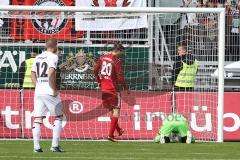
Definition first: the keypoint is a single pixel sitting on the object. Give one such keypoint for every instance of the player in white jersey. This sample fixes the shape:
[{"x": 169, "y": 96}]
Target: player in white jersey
[{"x": 46, "y": 97}]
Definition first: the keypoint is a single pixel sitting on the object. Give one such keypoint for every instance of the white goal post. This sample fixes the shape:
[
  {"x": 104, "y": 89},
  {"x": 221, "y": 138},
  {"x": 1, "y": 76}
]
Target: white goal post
[{"x": 150, "y": 11}]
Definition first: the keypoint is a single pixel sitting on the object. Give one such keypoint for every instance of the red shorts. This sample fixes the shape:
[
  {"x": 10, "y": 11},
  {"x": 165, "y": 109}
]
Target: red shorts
[{"x": 111, "y": 100}]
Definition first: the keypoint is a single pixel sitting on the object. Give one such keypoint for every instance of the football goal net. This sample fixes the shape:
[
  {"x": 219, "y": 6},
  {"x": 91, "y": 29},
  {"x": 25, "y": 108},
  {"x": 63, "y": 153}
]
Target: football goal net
[{"x": 153, "y": 38}]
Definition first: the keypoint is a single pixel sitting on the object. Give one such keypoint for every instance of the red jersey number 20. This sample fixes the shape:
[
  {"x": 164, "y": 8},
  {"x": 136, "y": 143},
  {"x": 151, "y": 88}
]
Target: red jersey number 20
[{"x": 106, "y": 70}]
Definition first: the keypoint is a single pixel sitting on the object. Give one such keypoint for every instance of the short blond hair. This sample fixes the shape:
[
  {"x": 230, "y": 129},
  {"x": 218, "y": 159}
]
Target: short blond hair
[{"x": 51, "y": 43}]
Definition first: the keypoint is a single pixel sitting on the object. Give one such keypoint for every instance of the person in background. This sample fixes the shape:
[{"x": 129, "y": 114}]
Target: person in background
[
  {"x": 233, "y": 30},
  {"x": 184, "y": 69},
  {"x": 189, "y": 23},
  {"x": 24, "y": 73},
  {"x": 189, "y": 19},
  {"x": 58, "y": 70}
]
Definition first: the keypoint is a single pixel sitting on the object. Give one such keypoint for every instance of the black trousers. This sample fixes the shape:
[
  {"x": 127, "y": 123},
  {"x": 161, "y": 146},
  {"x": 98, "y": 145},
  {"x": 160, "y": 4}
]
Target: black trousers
[{"x": 183, "y": 89}]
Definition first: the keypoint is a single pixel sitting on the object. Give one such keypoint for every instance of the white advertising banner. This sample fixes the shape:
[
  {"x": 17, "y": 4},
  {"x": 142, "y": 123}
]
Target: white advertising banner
[
  {"x": 5, "y": 3},
  {"x": 107, "y": 22}
]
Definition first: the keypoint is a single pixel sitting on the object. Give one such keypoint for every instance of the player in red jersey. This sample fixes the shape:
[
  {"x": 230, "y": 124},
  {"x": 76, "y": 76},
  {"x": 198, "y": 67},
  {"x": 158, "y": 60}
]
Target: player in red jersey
[{"x": 109, "y": 75}]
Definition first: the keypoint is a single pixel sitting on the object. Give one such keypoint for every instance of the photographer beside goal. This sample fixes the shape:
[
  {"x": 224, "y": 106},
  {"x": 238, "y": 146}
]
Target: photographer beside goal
[{"x": 174, "y": 129}]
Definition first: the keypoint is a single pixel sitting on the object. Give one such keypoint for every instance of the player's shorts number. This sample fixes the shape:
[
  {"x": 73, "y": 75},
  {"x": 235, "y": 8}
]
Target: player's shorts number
[
  {"x": 43, "y": 67},
  {"x": 106, "y": 69}
]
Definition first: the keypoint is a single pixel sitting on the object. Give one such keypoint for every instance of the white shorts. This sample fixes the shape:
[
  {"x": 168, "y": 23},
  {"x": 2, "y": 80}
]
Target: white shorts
[{"x": 46, "y": 103}]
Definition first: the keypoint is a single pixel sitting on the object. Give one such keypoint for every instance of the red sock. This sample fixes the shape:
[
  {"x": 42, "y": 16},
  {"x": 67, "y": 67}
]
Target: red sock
[
  {"x": 113, "y": 124},
  {"x": 118, "y": 128}
]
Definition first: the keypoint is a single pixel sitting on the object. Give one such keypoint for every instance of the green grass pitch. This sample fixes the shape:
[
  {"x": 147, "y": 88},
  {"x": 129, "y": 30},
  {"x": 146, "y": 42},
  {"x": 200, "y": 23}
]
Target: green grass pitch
[{"x": 101, "y": 150}]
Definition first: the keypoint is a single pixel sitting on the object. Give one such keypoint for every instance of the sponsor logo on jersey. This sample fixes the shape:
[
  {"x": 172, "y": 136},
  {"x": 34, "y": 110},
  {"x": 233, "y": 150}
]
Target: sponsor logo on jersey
[{"x": 49, "y": 22}]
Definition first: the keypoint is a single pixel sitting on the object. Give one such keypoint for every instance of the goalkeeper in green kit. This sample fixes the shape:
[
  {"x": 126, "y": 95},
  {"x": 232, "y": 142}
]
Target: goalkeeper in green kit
[{"x": 174, "y": 129}]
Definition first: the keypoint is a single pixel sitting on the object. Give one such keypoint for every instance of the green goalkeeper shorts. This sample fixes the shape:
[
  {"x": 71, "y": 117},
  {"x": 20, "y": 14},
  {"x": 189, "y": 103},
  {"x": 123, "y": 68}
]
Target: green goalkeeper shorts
[{"x": 180, "y": 127}]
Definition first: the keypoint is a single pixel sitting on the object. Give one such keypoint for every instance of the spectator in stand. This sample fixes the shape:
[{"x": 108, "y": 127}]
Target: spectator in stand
[
  {"x": 189, "y": 18},
  {"x": 233, "y": 30},
  {"x": 189, "y": 30},
  {"x": 208, "y": 28},
  {"x": 213, "y": 3}
]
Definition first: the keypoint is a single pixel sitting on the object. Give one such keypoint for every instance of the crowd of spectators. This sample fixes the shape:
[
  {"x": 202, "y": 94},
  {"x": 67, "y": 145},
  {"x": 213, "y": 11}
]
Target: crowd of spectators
[
  {"x": 197, "y": 30},
  {"x": 200, "y": 30}
]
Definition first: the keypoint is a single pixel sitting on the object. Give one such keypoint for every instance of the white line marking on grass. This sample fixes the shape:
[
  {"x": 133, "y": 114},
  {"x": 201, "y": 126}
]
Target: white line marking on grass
[
  {"x": 127, "y": 154},
  {"x": 138, "y": 152},
  {"x": 62, "y": 157},
  {"x": 78, "y": 140},
  {"x": 100, "y": 158}
]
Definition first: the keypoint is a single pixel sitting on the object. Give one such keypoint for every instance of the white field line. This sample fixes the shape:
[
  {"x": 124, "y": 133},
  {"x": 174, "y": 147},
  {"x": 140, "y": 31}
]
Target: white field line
[
  {"x": 126, "y": 154},
  {"x": 93, "y": 140},
  {"x": 100, "y": 158},
  {"x": 85, "y": 152},
  {"x": 62, "y": 157},
  {"x": 76, "y": 140}
]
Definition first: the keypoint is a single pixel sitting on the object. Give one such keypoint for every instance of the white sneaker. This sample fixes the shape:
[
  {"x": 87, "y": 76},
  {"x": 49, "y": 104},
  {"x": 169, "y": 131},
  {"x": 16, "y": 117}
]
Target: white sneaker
[
  {"x": 162, "y": 140},
  {"x": 189, "y": 137},
  {"x": 157, "y": 139}
]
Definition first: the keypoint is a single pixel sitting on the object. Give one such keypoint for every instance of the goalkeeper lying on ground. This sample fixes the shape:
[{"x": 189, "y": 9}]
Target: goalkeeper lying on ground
[{"x": 174, "y": 129}]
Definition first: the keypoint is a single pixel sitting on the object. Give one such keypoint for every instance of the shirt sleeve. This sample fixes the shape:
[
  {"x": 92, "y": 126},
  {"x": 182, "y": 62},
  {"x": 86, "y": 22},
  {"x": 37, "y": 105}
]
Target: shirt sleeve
[
  {"x": 21, "y": 73},
  {"x": 34, "y": 67},
  {"x": 96, "y": 70},
  {"x": 177, "y": 67},
  {"x": 53, "y": 61},
  {"x": 120, "y": 77},
  {"x": 58, "y": 78}
]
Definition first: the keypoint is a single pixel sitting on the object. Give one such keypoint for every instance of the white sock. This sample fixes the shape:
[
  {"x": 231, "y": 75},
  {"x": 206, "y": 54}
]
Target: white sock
[
  {"x": 36, "y": 135},
  {"x": 56, "y": 132}
]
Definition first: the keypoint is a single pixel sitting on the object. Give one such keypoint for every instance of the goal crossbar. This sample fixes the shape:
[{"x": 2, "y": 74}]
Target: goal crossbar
[{"x": 112, "y": 9}]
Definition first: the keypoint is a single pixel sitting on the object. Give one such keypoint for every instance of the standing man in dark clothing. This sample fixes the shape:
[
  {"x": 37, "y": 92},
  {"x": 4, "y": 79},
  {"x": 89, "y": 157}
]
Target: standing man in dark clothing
[
  {"x": 58, "y": 71},
  {"x": 184, "y": 70}
]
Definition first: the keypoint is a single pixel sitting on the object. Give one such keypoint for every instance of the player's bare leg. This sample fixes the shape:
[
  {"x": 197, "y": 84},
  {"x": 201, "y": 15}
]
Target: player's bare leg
[
  {"x": 36, "y": 131},
  {"x": 57, "y": 128}
]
